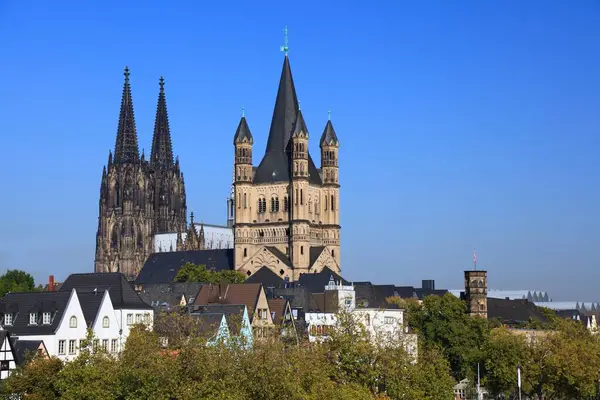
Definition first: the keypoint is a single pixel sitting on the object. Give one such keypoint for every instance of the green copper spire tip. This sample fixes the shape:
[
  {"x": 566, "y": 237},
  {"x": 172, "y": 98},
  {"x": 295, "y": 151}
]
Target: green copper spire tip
[{"x": 285, "y": 47}]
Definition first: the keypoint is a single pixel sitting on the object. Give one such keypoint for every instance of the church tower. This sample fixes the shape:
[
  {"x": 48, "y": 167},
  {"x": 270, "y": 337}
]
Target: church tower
[
  {"x": 166, "y": 180},
  {"x": 476, "y": 293},
  {"x": 286, "y": 215},
  {"x": 123, "y": 238},
  {"x": 138, "y": 198}
]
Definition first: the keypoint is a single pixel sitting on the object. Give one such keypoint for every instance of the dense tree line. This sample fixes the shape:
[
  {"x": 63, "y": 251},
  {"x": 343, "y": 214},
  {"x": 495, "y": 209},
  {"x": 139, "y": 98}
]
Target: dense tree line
[
  {"x": 348, "y": 367},
  {"x": 559, "y": 359}
]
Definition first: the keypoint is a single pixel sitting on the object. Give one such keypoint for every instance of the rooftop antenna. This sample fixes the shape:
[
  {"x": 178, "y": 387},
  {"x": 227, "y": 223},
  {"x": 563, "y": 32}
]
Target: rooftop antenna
[
  {"x": 475, "y": 259},
  {"x": 285, "y": 47}
]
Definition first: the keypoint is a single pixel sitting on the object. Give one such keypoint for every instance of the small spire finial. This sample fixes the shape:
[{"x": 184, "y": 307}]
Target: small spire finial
[
  {"x": 285, "y": 47},
  {"x": 162, "y": 84},
  {"x": 126, "y": 73},
  {"x": 298, "y": 105},
  {"x": 329, "y": 115},
  {"x": 243, "y": 114},
  {"x": 192, "y": 218}
]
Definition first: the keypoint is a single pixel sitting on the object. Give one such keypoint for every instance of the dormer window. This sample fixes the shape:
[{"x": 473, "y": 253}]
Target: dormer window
[
  {"x": 73, "y": 322},
  {"x": 32, "y": 319},
  {"x": 46, "y": 317},
  {"x": 8, "y": 319}
]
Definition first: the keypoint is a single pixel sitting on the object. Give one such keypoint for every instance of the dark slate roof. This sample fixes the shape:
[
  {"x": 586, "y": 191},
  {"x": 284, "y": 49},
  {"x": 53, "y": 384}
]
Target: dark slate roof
[
  {"x": 169, "y": 294},
  {"x": 242, "y": 132},
  {"x": 208, "y": 324},
  {"x": 514, "y": 311},
  {"x": 280, "y": 255},
  {"x": 267, "y": 277},
  {"x": 421, "y": 293},
  {"x": 163, "y": 267},
  {"x": 22, "y": 304},
  {"x": 329, "y": 137},
  {"x": 90, "y": 304},
  {"x": 275, "y": 165},
  {"x": 121, "y": 292},
  {"x": 25, "y": 348},
  {"x": 316, "y": 282},
  {"x": 373, "y": 296},
  {"x": 314, "y": 253},
  {"x": 231, "y": 311},
  {"x": 405, "y": 292},
  {"x": 300, "y": 125}
]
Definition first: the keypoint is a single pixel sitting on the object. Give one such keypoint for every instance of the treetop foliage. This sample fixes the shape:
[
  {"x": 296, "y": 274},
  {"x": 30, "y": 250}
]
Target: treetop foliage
[
  {"x": 16, "y": 281},
  {"x": 190, "y": 272}
]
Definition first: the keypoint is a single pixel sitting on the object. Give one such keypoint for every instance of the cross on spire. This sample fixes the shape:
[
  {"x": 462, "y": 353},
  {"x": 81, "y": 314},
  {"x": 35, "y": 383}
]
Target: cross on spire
[
  {"x": 285, "y": 47},
  {"x": 126, "y": 73},
  {"x": 329, "y": 115},
  {"x": 162, "y": 84},
  {"x": 243, "y": 114}
]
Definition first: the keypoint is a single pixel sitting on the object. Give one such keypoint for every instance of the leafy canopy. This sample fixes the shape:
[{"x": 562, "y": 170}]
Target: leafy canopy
[
  {"x": 16, "y": 281},
  {"x": 190, "y": 272}
]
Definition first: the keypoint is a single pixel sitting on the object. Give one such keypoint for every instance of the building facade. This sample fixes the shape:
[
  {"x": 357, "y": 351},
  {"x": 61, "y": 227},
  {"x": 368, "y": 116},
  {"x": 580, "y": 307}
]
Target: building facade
[
  {"x": 138, "y": 198},
  {"x": 476, "y": 293},
  {"x": 286, "y": 210}
]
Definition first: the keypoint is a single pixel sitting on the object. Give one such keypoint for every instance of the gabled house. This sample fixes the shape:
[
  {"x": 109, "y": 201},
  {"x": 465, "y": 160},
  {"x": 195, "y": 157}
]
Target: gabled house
[
  {"x": 61, "y": 320},
  {"x": 238, "y": 322},
  {"x": 29, "y": 348},
  {"x": 8, "y": 355},
  {"x": 128, "y": 306},
  {"x": 213, "y": 328},
  {"x": 252, "y": 295}
]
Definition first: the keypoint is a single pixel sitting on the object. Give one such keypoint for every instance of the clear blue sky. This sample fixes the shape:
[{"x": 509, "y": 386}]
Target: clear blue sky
[{"x": 471, "y": 124}]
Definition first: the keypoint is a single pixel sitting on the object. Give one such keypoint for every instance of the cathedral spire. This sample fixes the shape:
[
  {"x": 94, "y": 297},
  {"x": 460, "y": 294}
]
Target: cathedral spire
[
  {"x": 126, "y": 146},
  {"x": 161, "y": 156}
]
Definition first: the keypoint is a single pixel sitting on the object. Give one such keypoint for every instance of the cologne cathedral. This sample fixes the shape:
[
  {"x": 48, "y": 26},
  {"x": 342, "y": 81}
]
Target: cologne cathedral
[{"x": 138, "y": 198}]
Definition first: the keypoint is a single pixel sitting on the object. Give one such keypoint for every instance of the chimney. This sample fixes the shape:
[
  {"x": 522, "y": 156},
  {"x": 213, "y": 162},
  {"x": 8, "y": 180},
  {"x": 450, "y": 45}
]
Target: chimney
[{"x": 51, "y": 283}]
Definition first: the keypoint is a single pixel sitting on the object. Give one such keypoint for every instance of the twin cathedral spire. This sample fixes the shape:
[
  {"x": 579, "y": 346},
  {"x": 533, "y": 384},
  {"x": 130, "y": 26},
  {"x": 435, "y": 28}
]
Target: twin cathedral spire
[{"x": 138, "y": 198}]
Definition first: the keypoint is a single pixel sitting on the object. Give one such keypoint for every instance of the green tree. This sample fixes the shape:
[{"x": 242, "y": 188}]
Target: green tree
[
  {"x": 36, "y": 380},
  {"x": 442, "y": 322},
  {"x": 190, "y": 272},
  {"x": 15, "y": 280}
]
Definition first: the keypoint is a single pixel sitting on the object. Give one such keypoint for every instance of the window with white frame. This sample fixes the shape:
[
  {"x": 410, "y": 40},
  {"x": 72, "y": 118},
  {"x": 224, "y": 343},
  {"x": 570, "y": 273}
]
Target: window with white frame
[
  {"x": 114, "y": 345},
  {"x": 138, "y": 318},
  {"x": 147, "y": 318},
  {"x": 389, "y": 320},
  {"x": 72, "y": 346},
  {"x": 73, "y": 322},
  {"x": 105, "y": 322},
  {"x": 105, "y": 344},
  {"x": 32, "y": 319},
  {"x": 129, "y": 319},
  {"x": 8, "y": 319},
  {"x": 61, "y": 347},
  {"x": 46, "y": 317}
]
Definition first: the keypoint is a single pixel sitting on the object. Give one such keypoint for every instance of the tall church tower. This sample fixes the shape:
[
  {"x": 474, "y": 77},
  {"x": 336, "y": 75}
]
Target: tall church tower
[
  {"x": 286, "y": 214},
  {"x": 476, "y": 293},
  {"x": 137, "y": 198},
  {"x": 169, "y": 209}
]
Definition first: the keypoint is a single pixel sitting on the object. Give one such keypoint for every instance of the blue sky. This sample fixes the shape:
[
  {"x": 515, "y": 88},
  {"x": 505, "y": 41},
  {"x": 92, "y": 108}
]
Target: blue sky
[{"x": 463, "y": 125}]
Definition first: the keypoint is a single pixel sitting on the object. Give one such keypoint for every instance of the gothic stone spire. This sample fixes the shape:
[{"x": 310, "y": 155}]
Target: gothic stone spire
[
  {"x": 126, "y": 146},
  {"x": 161, "y": 156}
]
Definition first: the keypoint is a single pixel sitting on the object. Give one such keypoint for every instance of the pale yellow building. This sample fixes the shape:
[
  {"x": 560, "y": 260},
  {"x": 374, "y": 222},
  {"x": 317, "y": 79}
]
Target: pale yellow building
[{"x": 286, "y": 210}]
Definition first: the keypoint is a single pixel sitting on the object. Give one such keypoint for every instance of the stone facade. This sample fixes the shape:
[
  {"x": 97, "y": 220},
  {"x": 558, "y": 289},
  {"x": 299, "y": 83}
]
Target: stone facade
[
  {"x": 138, "y": 198},
  {"x": 286, "y": 211},
  {"x": 476, "y": 293}
]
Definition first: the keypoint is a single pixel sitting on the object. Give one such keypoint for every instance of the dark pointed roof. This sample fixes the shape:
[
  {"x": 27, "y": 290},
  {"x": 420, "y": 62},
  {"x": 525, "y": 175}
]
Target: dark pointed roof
[
  {"x": 243, "y": 132},
  {"x": 275, "y": 165},
  {"x": 126, "y": 145},
  {"x": 329, "y": 137},
  {"x": 161, "y": 156},
  {"x": 300, "y": 126}
]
